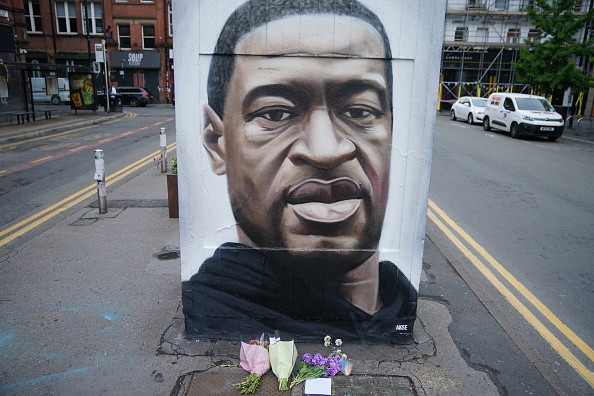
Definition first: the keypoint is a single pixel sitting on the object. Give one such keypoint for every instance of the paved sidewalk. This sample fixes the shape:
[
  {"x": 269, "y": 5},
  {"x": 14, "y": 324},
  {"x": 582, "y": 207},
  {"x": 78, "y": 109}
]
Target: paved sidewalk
[{"x": 92, "y": 306}]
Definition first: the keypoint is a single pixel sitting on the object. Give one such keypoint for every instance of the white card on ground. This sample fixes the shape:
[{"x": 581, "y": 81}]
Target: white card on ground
[{"x": 318, "y": 386}]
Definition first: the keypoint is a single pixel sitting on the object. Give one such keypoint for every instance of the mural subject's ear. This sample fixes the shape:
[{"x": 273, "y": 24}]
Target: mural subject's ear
[{"x": 214, "y": 141}]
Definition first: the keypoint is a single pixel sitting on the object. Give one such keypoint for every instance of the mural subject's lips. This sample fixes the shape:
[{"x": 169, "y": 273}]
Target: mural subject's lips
[{"x": 325, "y": 201}]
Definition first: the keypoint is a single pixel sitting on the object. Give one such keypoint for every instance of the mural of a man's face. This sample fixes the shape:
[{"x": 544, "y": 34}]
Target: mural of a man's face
[{"x": 305, "y": 138}]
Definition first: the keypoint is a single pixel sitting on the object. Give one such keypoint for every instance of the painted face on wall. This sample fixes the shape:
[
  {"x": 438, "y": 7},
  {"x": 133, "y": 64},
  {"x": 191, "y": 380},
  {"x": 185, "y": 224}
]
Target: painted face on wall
[{"x": 305, "y": 138}]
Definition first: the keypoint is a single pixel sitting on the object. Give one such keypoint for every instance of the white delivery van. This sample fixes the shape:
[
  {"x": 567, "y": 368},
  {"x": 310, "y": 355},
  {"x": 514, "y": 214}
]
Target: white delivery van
[
  {"x": 38, "y": 87},
  {"x": 523, "y": 115}
]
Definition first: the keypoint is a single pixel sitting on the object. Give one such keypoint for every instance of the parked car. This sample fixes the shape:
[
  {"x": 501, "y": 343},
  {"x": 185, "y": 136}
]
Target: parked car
[
  {"x": 134, "y": 96},
  {"x": 39, "y": 90},
  {"x": 469, "y": 108},
  {"x": 523, "y": 115},
  {"x": 151, "y": 96}
]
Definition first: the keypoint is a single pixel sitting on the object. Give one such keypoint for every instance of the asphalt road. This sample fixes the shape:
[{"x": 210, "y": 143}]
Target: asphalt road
[
  {"x": 42, "y": 171},
  {"x": 528, "y": 205}
]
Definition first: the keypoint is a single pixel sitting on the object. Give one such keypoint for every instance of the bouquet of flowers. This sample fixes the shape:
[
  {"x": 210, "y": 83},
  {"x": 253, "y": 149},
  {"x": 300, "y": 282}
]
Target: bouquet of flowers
[
  {"x": 317, "y": 366},
  {"x": 283, "y": 355},
  {"x": 254, "y": 359}
]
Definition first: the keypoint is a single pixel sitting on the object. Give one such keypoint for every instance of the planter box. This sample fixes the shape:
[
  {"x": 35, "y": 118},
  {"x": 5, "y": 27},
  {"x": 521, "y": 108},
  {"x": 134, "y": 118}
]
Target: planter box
[{"x": 172, "y": 199}]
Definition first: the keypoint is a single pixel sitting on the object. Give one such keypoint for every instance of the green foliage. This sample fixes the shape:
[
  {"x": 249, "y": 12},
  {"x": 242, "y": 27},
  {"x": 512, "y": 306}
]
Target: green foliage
[
  {"x": 547, "y": 63},
  {"x": 174, "y": 165},
  {"x": 249, "y": 384}
]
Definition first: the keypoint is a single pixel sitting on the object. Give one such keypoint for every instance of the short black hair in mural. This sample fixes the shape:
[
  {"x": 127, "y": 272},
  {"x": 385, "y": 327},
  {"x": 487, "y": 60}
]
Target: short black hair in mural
[{"x": 255, "y": 13}]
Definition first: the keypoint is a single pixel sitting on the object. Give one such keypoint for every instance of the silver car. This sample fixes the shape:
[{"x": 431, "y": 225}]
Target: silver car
[{"x": 469, "y": 108}]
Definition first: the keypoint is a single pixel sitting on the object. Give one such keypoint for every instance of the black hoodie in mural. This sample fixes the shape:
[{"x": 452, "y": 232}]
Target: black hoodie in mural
[{"x": 239, "y": 291}]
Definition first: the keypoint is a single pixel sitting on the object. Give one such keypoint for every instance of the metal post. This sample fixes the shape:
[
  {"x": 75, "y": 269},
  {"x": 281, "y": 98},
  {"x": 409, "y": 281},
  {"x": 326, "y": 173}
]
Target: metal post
[
  {"x": 100, "y": 177},
  {"x": 107, "y": 91},
  {"x": 163, "y": 144},
  {"x": 86, "y": 25}
]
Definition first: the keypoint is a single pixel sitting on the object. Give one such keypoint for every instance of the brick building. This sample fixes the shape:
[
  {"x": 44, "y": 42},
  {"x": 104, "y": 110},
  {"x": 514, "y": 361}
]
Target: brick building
[
  {"x": 51, "y": 37},
  {"x": 139, "y": 40}
]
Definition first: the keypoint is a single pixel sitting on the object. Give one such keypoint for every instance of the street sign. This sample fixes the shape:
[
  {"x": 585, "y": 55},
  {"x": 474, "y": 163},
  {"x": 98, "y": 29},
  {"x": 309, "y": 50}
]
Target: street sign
[
  {"x": 96, "y": 67},
  {"x": 99, "y": 53}
]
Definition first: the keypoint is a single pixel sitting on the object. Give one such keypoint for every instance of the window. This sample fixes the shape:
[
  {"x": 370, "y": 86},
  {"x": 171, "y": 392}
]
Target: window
[
  {"x": 170, "y": 17},
  {"x": 508, "y": 105},
  {"x": 500, "y": 4},
  {"x": 36, "y": 72},
  {"x": 513, "y": 36},
  {"x": 66, "y": 17},
  {"x": 526, "y": 3},
  {"x": 461, "y": 34},
  {"x": 533, "y": 34},
  {"x": 124, "y": 36},
  {"x": 482, "y": 35},
  {"x": 70, "y": 63},
  {"x": 474, "y": 4},
  {"x": 148, "y": 36},
  {"x": 578, "y": 5},
  {"x": 33, "y": 16},
  {"x": 94, "y": 18}
]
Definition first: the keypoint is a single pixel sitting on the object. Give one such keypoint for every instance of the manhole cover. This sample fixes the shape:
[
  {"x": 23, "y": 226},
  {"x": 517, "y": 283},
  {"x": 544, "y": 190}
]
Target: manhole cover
[
  {"x": 221, "y": 383},
  {"x": 207, "y": 383}
]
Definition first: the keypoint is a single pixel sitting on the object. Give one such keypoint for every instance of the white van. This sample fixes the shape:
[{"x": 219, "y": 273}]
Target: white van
[
  {"x": 40, "y": 94},
  {"x": 522, "y": 115}
]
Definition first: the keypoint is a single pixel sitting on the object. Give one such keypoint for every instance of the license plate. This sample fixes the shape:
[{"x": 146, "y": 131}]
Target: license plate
[{"x": 548, "y": 129}]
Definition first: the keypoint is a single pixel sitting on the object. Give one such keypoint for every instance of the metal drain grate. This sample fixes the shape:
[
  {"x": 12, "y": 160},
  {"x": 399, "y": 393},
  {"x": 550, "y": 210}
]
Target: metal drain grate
[{"x": 220, "y": 383}]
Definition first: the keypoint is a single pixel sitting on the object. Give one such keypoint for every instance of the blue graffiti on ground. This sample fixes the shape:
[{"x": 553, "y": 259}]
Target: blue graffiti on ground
[{"x": 44, "y": 378}]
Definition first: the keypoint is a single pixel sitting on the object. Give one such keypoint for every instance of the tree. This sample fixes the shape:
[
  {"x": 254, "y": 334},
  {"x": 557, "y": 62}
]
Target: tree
[{"x": 548, "y": 64}]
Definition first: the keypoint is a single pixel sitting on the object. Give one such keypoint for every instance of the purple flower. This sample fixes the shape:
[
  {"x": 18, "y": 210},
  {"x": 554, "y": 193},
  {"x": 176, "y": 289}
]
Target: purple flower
[
  {"x": 318, "y": 360},
  {"x": 333, "y": 366},
  {"x": 307, "y": 358}
]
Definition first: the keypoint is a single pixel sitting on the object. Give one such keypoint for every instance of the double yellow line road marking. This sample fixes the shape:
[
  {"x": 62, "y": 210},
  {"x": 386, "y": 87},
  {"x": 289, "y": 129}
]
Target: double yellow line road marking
[
  {"x": 24, "y": 226},
  {"x": 480, "y": 258},
  {"x": 493, "y": 271}
]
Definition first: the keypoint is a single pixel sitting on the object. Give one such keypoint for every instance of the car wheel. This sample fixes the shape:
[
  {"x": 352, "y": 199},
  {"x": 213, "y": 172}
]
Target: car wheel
[
  {"x": 470, "y": 119},
  {"x": 452, "y": 115},
  {"x": 552, "y": 138},
  {"x": 486, "y": 125},
  {"x": 514, "y": 132},
  {"x": 133, "y": 102},
  {"x": 56, "y": 100}
]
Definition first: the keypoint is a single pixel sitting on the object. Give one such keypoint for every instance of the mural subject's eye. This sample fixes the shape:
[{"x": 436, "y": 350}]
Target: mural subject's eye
[
  {"x": 276, "y": 115},
  {"x": 271, "y": 117},
  {"x": 362, "y": 114}
]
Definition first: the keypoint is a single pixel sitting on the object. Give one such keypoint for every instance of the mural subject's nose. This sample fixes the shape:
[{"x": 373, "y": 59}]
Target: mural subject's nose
[{"x": 322, "y": 143}]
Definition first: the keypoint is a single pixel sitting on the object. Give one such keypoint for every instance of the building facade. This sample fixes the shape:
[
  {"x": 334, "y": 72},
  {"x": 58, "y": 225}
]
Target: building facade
[
  {"x": 481, "y": 40},
  {"x": 57, "y": 37},
  {"x": 140, "y": 43}
]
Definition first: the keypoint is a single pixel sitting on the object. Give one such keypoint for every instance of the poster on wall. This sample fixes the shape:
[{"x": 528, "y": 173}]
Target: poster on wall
[
  {"x": 3, "y": 86},
  {"x": 304, "y": 153},
  {"x": 51, "y": 85},
  {"x": 82, "y": 91}
]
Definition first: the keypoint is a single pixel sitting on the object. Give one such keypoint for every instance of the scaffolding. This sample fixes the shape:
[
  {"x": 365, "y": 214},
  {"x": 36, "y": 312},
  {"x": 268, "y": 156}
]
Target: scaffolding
[{"x": 482, "y": 38}]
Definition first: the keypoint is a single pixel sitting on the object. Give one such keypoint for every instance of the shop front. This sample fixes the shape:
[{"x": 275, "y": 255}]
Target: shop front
[{"x": 136, "y": 69}]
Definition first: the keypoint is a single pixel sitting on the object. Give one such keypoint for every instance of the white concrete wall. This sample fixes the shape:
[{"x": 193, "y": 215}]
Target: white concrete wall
[{"x": 416, "y": 37}]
